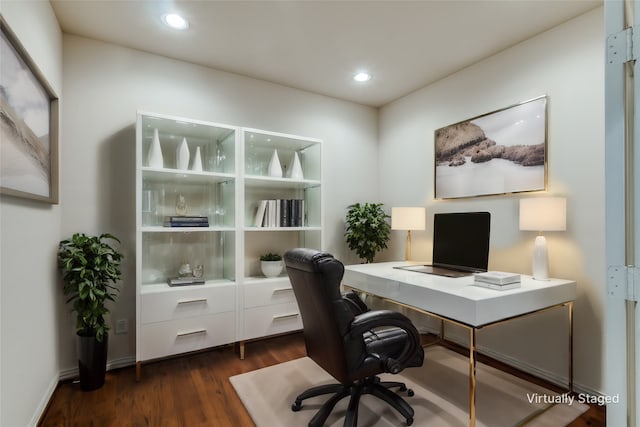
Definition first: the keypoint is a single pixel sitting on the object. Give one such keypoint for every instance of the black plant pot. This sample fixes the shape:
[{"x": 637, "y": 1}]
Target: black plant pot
[{"x": 92, "y": 361}]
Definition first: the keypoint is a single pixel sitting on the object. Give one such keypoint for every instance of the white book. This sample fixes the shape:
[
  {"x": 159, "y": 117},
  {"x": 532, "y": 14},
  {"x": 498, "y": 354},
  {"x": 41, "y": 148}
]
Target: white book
[
  {"x": 259, "y": 219},
  {"x": 497, "y": 277},
  {"x": 497, "y": 287}
]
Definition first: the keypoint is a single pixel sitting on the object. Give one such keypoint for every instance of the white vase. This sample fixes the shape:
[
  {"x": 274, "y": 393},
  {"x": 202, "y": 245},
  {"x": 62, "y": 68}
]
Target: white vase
[
  {"x": 182, "y": 155},
  {"x": 154, "y": 156},
  {"x": 296, "y": 167},
  {"x": 197, "y": 161},
  {"x": 271, "y": 268},
  {"x": 275, "y": 169}
]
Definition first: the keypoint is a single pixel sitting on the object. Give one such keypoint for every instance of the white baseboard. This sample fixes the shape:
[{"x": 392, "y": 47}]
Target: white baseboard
[
  {"x": 559, "y": 380},
  {"x": 123, "y": 362},
  {"x": 42, "y": 405}
]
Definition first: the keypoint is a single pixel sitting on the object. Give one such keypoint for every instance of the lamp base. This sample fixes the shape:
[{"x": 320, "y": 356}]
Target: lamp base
[
  {"x": 407, "y": 249},
  {"x": 540, "y": 264}
]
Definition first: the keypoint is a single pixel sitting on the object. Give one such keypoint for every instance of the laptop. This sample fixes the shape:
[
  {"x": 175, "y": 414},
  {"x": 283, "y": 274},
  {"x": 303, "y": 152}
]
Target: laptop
[{"x": 460, "y": 245}]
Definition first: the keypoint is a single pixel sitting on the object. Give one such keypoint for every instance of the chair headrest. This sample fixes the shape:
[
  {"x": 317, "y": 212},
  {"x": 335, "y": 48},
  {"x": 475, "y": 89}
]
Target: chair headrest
[{"x": 306, "y": 259}]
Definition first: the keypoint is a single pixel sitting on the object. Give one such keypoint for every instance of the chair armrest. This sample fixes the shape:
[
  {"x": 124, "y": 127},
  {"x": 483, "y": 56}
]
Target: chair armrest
[{"x": 381, "y": 318}]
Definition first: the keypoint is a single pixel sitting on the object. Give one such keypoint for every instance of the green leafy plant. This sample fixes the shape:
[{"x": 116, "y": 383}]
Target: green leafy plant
[
  {"x": 367, "y": 229},
  {"x": 270, "y": 257},
  {"x": 90, "y": 270}
]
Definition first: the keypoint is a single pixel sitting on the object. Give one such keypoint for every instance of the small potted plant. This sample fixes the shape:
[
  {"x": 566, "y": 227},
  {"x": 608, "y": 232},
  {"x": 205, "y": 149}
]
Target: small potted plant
[
  {"x": 90, "y": 269},
  {"x": 271, "y": 264},
  {"x": 367, "y": 229}
]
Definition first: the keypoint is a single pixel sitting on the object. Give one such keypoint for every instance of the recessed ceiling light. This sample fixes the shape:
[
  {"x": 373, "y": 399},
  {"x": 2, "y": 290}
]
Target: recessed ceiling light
[
  {"x": 175, "y": 21},
  {"x": 362, "y": 77}
]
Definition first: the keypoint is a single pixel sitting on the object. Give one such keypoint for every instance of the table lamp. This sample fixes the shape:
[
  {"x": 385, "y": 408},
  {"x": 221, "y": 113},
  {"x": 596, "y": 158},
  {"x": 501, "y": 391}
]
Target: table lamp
[
  {"x": 542, "y": 214},
  {"x": 408, "y": 219}
]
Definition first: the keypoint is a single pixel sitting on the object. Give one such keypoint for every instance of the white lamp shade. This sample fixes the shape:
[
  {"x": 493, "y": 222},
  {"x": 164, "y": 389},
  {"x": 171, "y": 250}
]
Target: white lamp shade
[
  {"x": 408, "y": 218},
  {"x": 543, "y": 214}
]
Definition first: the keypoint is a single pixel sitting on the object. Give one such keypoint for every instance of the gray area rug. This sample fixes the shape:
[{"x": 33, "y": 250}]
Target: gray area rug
[{"x": 441, "y": 396}]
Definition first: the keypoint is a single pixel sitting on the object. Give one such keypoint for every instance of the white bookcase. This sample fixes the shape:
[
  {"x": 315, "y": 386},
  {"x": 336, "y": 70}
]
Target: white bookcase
[{"x": 235, "y": 303}]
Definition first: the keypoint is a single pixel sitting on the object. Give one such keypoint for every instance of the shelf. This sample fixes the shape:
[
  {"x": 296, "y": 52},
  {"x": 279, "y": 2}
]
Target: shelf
[
  {"x": 186, "y": 176},
  {"x": 279, "y": 183},
  {"x": 164, "y": 287},
  {"x": 161, "y": 229},
  {"x": 261, "y": 229}
]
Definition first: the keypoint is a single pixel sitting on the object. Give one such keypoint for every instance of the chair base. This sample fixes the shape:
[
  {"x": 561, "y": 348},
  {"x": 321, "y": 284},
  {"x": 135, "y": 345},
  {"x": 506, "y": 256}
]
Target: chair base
[{"x": 369, "y": 385}]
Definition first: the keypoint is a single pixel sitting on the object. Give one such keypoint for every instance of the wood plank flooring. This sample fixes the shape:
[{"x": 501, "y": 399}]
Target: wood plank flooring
[{"x": 192, "y": 390}]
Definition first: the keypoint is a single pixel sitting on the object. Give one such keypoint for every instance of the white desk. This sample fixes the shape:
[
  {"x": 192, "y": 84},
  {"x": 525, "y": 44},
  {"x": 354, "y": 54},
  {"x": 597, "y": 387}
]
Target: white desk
[{"x": 458, "y": 301}]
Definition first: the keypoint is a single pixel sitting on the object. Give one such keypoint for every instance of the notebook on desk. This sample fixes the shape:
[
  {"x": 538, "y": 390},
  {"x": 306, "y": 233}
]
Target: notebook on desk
[{"x": 460, "y": 245}]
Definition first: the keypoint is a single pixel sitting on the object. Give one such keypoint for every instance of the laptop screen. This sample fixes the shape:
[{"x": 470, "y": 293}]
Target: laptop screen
[{"x": 461, "y": 239}]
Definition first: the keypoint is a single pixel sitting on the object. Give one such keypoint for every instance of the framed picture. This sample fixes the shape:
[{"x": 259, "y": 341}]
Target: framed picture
[
  {"x": 28, "y": 125},
  {"x": 501, "y": 152}
]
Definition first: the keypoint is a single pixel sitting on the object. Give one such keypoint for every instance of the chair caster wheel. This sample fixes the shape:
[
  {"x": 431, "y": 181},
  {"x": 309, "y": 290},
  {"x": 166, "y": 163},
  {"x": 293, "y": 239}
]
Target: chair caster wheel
[
  {"x": 410, "y": 393},
  {"x": 295, "y": 407},
  {"x": 409, "y": 421}
]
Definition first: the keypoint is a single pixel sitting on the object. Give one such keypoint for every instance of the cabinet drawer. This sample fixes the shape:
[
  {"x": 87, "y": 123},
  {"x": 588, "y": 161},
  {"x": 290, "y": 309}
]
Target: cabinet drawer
[
  {"x": 179, "y": 303},
  {"x": 270, "y": 320},
  {"x": 184, "y": 335},
  {"x": 277, "y": 291}
]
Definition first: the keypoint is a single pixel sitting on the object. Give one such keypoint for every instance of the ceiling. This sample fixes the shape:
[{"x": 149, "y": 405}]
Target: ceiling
[{"x": 318, "y": 46}]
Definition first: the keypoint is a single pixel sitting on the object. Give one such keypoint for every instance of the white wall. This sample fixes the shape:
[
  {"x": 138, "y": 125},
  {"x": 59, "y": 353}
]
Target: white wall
[
  {"x": 29, "y": 292},
  {"x": 104, "y": 87},
  {"x": 566, "y": 64}
]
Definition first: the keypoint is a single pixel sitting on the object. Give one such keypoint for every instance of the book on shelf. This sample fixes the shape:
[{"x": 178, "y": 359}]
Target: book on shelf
[
  {"x": 185, "y": 218},
  {"x": 185, "y": 281},
  {"x": 186, "y": 221},
  {"x": 275, "y": 213}
]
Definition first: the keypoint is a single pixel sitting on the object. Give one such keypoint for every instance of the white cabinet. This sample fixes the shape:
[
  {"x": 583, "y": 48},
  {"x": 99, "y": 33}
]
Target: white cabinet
[{"x": 199, "y": 223}]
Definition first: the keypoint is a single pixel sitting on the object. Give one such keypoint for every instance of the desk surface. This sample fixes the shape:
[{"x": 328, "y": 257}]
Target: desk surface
[{"x": 457, "y": 298}]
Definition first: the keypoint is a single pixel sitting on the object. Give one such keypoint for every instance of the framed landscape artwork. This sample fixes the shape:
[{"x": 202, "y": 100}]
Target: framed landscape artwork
[
  {"x": 28, "y": 125},
  {"x": 497, "y": 153}
]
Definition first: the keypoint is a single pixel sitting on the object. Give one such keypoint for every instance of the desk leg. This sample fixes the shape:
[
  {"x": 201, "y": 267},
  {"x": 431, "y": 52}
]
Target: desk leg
[
  {"x": 472, "y": 377},
  {"x": 570, "y": 307}
]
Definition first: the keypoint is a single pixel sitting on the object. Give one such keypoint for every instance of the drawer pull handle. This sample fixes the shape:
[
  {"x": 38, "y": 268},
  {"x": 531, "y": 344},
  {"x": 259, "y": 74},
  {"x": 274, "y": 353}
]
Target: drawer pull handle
[
  {"x": 275, "y": 291},
  {"x": 185, "y": 334},
  {"x": 191, "y": 301},
  {"x": 286, "y": 316}
]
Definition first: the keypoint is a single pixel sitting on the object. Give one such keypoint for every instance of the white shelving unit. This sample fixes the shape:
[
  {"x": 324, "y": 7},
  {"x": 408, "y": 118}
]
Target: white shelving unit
[{"x": 235, "y": 303}]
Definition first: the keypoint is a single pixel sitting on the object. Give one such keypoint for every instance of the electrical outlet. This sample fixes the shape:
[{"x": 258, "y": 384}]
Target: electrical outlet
[{"x": 122, "y": 327}]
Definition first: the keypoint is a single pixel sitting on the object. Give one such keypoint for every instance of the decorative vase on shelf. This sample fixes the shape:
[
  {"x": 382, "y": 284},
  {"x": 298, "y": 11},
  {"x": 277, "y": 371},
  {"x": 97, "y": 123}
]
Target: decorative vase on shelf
[
  {"x": 271, "y": 268},
  {"x": 197, "y": 161},
  {"x": 275, "y": 169},
  {"x": 154, "y": 157},
  {"x": 182, "y": 155},
  {"x": 296, "y": 167}
]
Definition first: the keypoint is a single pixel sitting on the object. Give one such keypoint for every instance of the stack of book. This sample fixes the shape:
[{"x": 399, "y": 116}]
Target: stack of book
[
  {"x": 184, "y": 281},
  {"x": 186, "y": 221},
  {"x": 280, "y": 213},
  {"x": 499, "y": 280}
]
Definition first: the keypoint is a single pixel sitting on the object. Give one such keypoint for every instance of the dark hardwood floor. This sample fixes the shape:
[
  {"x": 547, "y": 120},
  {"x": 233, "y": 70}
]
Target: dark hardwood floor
[{"x": 192, "y": 390}]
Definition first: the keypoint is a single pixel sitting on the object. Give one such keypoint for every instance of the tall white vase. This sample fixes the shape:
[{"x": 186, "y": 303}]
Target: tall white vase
[
  {"x": 182, "y": 155},
  {"x": 154, "y": 156},
  {"x": 197, "y": 161},
  {"x": 296, "y": 167},
  {"x": 275, "y": 169}
]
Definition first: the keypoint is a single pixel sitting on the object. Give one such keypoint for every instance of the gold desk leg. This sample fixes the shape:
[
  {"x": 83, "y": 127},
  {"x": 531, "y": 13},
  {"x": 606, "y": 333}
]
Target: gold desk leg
[
  {"x": 570, "y": 306},
  {"x": 241, "y": 349},
  {"x": 472, "y": 377}
]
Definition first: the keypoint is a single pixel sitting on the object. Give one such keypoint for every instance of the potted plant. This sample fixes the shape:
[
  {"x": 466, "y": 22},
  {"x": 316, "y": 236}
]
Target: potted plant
[
  {"x": 271, "y": 264},
  {"x": 90, "y": 269},
  {"x": 368, "y": 230}
]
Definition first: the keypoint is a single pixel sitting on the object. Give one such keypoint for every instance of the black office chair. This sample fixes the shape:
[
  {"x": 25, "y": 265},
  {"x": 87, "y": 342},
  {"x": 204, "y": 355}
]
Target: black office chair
[{"x": 347, "y": 340}]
